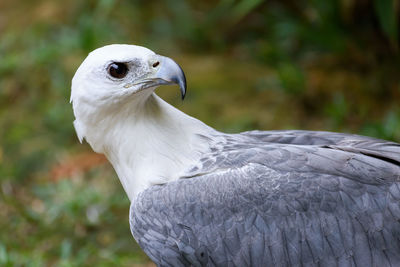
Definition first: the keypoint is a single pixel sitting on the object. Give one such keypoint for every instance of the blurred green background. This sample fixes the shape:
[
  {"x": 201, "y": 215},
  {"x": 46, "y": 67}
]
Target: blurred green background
[{"x": 250, "y": 64}]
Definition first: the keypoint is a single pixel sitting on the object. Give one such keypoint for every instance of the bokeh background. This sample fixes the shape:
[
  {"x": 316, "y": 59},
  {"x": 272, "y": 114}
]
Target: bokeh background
[{"x": 250, "y": 64}]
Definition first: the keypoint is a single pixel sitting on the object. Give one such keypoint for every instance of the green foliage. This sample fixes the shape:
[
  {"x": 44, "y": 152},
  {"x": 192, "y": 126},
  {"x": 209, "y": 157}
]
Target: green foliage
[
  {"x": 318, "y": 65},
  {"x": 292, "y": 78},
  {"x": 387, "y": 12}
]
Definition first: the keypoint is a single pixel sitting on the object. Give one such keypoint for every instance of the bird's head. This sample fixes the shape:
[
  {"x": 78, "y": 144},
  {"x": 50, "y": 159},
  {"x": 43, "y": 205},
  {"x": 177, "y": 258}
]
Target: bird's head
[{"x": 115, "y": 75}]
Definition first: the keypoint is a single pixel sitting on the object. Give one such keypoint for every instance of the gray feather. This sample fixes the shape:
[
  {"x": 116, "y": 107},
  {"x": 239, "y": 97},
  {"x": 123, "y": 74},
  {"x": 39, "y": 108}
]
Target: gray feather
[{"x": 283, "y": 198}]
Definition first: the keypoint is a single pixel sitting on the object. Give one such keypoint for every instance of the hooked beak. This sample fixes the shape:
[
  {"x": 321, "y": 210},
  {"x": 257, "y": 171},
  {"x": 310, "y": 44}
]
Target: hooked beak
[{"x": 171, "y": 73}]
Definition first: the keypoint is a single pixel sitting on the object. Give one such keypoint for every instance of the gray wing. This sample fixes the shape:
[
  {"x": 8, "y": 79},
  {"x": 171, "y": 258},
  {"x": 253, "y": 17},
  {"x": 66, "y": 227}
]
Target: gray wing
[
  {"x": 350, "y": 142},
  {"x": 255, "y": 203}
]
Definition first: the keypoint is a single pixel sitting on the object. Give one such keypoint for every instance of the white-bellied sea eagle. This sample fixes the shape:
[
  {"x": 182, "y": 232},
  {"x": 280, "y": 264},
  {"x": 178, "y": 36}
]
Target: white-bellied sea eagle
[{"x": 200, "y": 197}]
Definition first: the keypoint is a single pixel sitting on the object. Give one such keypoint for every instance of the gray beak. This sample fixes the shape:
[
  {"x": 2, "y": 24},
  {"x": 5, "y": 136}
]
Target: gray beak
[{"x": 170, "y": 72}]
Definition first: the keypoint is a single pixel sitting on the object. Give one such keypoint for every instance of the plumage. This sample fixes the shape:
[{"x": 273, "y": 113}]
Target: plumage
[
  {"x": 281, "y": 204},
  {"x": 200, "y": 197}
]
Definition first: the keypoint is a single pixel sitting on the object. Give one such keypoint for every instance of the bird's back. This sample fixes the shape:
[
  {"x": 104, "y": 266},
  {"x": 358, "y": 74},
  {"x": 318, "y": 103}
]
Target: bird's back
[{"x": 283, "y": 198}]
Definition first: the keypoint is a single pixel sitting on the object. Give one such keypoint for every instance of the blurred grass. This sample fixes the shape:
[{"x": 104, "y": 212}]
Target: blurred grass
[{"x": 317, "y": 65}]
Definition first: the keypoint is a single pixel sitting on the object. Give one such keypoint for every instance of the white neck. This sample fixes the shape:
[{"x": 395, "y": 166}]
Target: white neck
[{"x": 149, "y": 143}]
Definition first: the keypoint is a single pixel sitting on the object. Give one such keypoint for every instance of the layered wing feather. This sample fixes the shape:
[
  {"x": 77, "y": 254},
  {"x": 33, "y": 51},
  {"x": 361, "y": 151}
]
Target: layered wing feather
[{"x": 289, "y": 198}]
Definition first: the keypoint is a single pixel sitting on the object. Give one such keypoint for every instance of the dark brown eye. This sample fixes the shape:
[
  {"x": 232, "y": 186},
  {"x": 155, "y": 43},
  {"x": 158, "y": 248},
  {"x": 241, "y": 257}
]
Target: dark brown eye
[
  {"x": 118, "y": 70},
  {"x": 156, "y": 64}
]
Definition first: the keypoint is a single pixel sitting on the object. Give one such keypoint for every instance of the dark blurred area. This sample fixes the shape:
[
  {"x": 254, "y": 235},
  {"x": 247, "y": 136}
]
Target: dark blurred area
[{"x": 250, "y": 64}]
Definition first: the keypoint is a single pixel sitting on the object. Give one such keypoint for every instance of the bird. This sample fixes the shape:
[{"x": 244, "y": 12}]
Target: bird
[{"x": 201, "y": 197}]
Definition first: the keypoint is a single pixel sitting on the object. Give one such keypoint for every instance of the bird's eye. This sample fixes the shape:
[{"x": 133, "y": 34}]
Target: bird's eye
[
  {"x": 156, "y": 64},
  {"x": 117, "y": 70}
]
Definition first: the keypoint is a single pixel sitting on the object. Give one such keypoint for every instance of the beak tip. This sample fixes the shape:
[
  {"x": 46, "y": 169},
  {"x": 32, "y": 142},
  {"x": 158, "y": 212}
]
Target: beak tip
[{"x": 182, "y": 86}]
